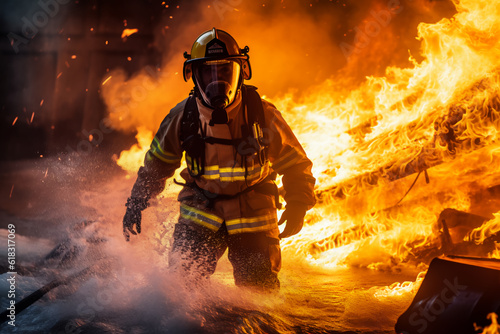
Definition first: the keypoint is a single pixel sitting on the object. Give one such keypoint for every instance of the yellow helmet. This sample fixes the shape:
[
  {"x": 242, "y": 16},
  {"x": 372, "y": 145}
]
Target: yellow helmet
[{"x": 217, "y": 66}]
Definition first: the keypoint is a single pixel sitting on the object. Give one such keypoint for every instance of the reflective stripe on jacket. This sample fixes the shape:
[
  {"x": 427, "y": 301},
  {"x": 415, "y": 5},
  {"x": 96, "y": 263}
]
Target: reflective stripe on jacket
[{"x": 227, "y": 172}]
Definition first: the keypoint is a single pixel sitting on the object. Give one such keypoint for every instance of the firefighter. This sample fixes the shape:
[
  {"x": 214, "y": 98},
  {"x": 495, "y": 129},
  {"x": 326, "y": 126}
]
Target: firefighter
[{"x": 234, "y": 143}]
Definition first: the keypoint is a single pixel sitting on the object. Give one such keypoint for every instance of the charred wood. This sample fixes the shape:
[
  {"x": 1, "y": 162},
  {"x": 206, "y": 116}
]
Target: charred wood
[
  {"x": 454, "y": 225},
  {"x": 463, "y": 129}
]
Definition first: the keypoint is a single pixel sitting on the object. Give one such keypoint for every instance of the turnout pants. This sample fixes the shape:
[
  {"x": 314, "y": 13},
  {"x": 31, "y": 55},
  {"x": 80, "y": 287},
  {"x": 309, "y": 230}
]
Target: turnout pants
[{"x": 255, "y": 257}]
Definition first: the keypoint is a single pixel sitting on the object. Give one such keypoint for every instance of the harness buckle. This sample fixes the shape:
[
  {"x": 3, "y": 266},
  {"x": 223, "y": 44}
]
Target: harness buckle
[{"x": 260, "y": 143}]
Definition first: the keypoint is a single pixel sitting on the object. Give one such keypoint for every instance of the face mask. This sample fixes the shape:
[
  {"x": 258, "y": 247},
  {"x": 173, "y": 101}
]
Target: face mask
[{"x": 218, "y": 82}]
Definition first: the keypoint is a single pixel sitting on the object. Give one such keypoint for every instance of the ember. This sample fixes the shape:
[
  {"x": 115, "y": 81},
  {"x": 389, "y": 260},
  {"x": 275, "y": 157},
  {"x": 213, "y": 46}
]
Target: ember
[{"x": 128, "y": 32}]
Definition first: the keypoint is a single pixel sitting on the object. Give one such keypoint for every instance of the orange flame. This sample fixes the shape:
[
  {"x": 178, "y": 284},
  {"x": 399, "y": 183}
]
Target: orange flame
[
  {"x": 132, "y": 159},
  {"x": 493, "y": 328},
  {"x": 128, "y": 32},
  {"x": 489, "y": 228},
  {"x": 391, "y": 126},
  {"x": 440, "y": 115}
]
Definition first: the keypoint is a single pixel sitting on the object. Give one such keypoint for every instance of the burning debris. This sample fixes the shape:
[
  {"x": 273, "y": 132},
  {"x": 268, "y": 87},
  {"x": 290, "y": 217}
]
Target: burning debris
[
  {"x": 439, "y": 119},
  {"x": 451, "y": 136}
]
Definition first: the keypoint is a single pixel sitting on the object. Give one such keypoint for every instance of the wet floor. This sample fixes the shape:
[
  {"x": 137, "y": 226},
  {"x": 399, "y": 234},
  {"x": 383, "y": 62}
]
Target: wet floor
[{"x": 68, "y": 214}]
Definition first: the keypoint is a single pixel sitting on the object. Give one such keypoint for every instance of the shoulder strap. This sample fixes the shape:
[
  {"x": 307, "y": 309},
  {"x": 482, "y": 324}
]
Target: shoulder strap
[
  {"x": 257, "y": 122},
  {"x": 254, "y": 105},
  {"x": 191, "y": 141},
  {"x": 190, "y": 123},
  {"x": 194, "y": 144}
]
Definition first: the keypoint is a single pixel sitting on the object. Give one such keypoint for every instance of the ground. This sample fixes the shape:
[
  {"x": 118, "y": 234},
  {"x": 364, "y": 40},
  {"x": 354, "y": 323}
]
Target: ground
[{"x": 67, "y": 214}]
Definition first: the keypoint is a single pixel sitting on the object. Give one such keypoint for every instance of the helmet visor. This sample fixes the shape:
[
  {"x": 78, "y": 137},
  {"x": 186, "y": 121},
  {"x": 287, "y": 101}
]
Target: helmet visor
[{"x": 216, "y": 78}]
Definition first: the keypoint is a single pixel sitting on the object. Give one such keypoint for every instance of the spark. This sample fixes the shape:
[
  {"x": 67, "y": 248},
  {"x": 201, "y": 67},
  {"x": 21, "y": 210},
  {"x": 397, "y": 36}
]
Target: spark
[
  {"x": 41, "y": 103},
  {"x": 73, "y": 57},
  {"x": 104, "y": 82},
  {"x": 59, "y": 75},
  {"x": 129, "y": 58},
  {"x": 46, "y": 171},
  {"x": 127, "y": 32},
  {"x": 15, "y": 120},
  {"x": 11, "y": 190},
  {"x": 32, "y": 116}
]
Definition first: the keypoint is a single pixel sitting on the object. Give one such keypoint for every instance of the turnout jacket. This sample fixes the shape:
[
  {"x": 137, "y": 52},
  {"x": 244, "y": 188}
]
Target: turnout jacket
[{"x": 224, "y": 173}]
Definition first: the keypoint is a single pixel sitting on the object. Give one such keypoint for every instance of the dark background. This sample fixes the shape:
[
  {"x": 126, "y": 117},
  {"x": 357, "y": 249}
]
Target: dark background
[{"x": 43, "y": 69}]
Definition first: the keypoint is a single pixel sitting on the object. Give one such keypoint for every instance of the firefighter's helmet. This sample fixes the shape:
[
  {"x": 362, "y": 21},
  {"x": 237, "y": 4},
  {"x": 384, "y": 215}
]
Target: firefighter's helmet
[{"x": 217, "y": 66}]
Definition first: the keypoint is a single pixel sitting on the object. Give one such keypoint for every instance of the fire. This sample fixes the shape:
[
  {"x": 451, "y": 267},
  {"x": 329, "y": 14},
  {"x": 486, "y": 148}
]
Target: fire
[
  {"x": 493, "y": 328},
  {"x": 398, "y": 289},
  {"x": 390, "y": 153},
  {"x": 132, "y": 159},
  {"x": 440, "y": 116},
  {"x": 489, "y": 228}
]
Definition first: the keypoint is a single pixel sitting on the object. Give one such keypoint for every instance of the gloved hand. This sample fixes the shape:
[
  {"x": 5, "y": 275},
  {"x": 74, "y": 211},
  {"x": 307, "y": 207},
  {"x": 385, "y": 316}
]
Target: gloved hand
[
  {"x": 294, "y": 217},
  {"x": 132, "y": 217}
]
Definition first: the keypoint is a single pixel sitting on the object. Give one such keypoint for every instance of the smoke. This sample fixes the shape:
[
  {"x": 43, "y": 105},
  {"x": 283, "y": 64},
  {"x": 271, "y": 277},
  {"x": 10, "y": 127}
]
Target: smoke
[
  {"x": 293, "y": 47},
  {"x": 383, "y": 33},
  {"x": 283, "y": 56}
]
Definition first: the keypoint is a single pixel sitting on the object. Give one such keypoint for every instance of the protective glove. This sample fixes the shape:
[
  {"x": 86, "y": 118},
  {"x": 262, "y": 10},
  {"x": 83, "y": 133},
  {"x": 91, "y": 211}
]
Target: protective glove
[
  {"x": 133, "y": 216},
  {"x": 294, "y": 217}
]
